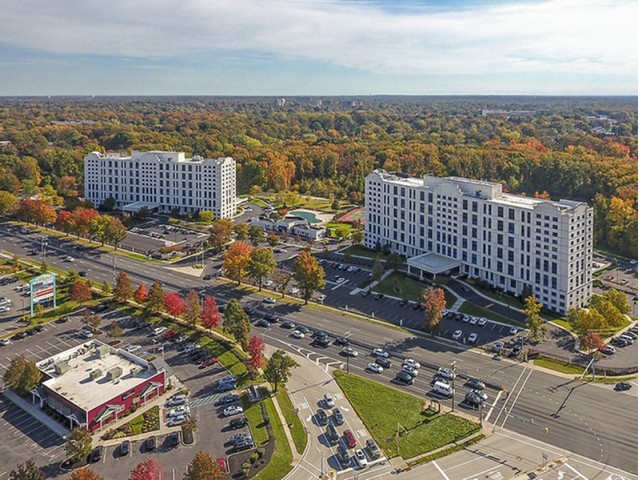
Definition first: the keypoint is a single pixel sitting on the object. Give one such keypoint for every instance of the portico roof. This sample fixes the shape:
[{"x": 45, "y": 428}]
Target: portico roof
[{"x": 433, "y": 263}]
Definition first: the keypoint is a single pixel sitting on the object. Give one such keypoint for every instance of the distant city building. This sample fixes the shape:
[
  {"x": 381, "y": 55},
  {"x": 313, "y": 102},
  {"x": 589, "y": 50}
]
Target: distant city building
[
  {"x": 162, "y": 181},
  {"x": 452, "y": 224},
  {"x": 94, "y": 384}
]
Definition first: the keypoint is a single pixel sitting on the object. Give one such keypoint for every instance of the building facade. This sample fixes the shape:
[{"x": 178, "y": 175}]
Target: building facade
[
  {"x": 512, "y": 242},
  {"x": 162, "y": 181},
  {"x": 291, "y": 225}
]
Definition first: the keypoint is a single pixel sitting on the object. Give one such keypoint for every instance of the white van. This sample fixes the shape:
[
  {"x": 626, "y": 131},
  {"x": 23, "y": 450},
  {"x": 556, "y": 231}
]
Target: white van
[{"x": 444, "y": 389}]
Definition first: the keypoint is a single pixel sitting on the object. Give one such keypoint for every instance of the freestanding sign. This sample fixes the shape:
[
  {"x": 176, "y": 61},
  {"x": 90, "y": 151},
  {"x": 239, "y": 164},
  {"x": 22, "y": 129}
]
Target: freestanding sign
[{"x": 42, "y": 288}]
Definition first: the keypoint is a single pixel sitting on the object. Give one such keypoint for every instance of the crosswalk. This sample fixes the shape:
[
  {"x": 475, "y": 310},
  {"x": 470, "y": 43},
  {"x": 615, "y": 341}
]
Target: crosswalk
[{"x": 209, "y": 399}]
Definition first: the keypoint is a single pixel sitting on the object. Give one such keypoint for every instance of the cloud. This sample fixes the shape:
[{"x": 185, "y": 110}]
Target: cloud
[{"x": 592, "y": 37}]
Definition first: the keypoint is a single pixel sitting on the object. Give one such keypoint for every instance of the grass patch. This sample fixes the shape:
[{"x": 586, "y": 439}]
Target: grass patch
[
  {"x": 256, "y": 422},
  {"x": 332, "y": 226},
  {"x": 402, "y": 286},
  {"x": 280, "y": 463},
  {"x": 612, "y": 380},
  {"x": 558, "y": 366},
  {"x": 447, "y": 451},
  {"x": 507, "y": 298},
  {"x": 298, "y": 433},
  {"x": 473, "y": 309},
  {"x": 381, "y": 408},
  {"x": 359, "y": 251},
  {"x": 562, "y": 323}
]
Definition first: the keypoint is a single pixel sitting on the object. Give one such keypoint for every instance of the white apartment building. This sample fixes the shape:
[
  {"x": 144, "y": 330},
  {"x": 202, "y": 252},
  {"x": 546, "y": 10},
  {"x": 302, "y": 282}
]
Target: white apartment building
[
  {"x": 162, "y": 181},
  {"x": 516, "y": 243}
]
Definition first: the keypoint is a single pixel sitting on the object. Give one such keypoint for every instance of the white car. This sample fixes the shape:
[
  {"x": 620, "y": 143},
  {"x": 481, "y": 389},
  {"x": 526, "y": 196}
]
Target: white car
[
  {"x": 178, "y": 400},
  {"x": 472, "y": 338},
  {"x": 133, "y": 348},
  {"x": 86, "y": 334},
  {"x": 411, "y": 362},
  {"x": 4, "y": 342},
  {"x": 269, "y": 300},
  {"x": 329, "y": 400},
  {"x": 481, "y": 394},
  {"x": 189, "y": 347},
  {"x": 360, "y": 458},
  {"x": 375, "y": 368},
  {"x": 294, "y": 290},
  {"x": 5, "y": 308},
  {"x": 410, "y": 370},
  {"x": 181, "y": 410},
  {"x": 69, "y": 259},
  {"x": 232, "y": 410},
  {"x": 482, "y": 321},
  {"x": 466, "y": 318},
  {"x": 175, "y": 421},
  {"x": 379, "y": 352},
  {"x": 267, "y": 283},
  {"x": 514, "y": 330},
  {"x": 321, "y": 297},
  {"x": 457, "y": 335},
  {"x": 350, "y": 352},
  {"x": 297, "y": 334},
  {"x": 159, "y": 330},
  {"x": 473, "y": 320}
]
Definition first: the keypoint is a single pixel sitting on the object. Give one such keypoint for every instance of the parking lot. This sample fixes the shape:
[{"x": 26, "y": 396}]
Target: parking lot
[{"x": 156, "y": 233}]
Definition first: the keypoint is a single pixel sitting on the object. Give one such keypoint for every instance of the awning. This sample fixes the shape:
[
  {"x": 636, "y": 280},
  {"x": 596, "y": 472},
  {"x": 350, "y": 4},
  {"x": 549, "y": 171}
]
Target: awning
[{"x": 433, "y": 263}]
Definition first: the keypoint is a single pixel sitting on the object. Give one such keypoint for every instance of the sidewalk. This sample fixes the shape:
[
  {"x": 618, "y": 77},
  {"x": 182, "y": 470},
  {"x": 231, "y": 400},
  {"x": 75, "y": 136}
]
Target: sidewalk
[{"x": 36, "y": 413}]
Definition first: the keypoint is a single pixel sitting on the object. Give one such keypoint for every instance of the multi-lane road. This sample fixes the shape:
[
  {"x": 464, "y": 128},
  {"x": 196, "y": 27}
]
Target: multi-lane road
[{"x": 589, "y": 419}]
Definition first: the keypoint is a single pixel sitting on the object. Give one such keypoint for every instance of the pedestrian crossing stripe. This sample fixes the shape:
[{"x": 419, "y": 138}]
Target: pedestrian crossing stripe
[
  {"x": 303, "y": 405},
  {"x": 199, "y": 402}
]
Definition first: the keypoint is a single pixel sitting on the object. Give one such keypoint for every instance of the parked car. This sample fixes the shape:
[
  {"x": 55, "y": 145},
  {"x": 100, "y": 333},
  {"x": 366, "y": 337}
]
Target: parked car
[
  {"x": 287, "y": 324},
  {"x": 177, "y": 400},
  {"x": 4, "y": 342},
  {"x": 177, "y": 411},
  {"x": 125, "y": 448},
  {"x": 343, "y": 456},
  {"x": 375, "y": 368},
  {"x": 372, "y": 448},
  {"x": 482, "y": 321},
  {"x": 349, "y": 439},
  {"x": 174, "y": 439},
  {"x": 239, "y": 422},
  {"x": 321, "y": 417},
  {"x": 514, "y": 330},
  {"x": 271, "y": 318},
  {"x": 228, "y": 398},
  {"x": 151, "y": 444},
  {"x": 332, "y": 434},
  {"x": 232, "y": 410},
  {"x": 475, "y": 383},
  {"x": 208, "y": 362},
  {"x": 159, "y": 330},
  {"x": 338, "y": 418},
  {"x": 379, "y": 352},
  {"x": 457, "y": 335},
  {"x": 270, "y": 300},
  {"x": 96, "y": 454},
  {"x": 473, "y": 338},
  {"x": 607, "y": 350},
  {"x": 497, "y": 347},
  {"x": 622, "y": 386},
  {"x": 263, "y": 323},
  {"x": 360, "y": 458}
]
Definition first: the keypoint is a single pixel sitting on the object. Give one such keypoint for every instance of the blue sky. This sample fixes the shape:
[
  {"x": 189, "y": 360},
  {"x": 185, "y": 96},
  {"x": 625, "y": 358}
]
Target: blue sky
[{"x": 318, "y": 47}]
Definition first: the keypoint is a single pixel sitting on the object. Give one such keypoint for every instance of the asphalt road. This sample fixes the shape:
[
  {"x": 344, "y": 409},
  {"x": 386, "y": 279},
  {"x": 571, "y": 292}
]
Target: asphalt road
[{"x": 591, "y": 420}]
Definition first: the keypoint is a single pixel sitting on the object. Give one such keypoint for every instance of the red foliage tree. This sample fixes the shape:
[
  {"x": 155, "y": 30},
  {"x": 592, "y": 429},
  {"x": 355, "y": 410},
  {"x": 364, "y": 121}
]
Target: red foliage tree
[
  {"x": 210, "y": 316},
  {"x": 36, "y": 211},
  {"x": 174, "y": 304},
  {"x": 148, "y": 470},
  {"x": 256, "y": 351},
  {"x": 141, "y": 294},
  {"x": 80, "y": 291},
  {"x": 83, "y": 217},
  {"x": 66, "y": 222}
]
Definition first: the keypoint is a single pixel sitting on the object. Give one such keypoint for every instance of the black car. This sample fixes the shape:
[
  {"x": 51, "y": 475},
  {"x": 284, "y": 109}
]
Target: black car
[
  {"x": 338, "y": 418},
  {"x": 404, "y": 377},
  {"x": 341, "y": 341},
  {"x": 263, "y": 323},
  {"x": 174, "y": 439},
  {"x": 62, "y": 320},
  {"x": 383, "y": 362},
  {"x": 302, "y": 328},
  {"x": 271, "y": 318},
  {"x": 473, "y": 399},
  {"x": 96, "y": 454},
  {"x": 125, "y": 448},
  {"x": 321, "y": 418},
  {"x": 151, "y": 444},
  {"x": 622, "y": 386},
  {"x": 379, "y": 296},
  {"x": 343, "y": 456},
  {"x": 402, "y": 303},
  {"x": 39, "y": 328},
  {"x": 19, "y": 335},
  {"x": 208, "y": 277},
  {"x": 250, "y": 311},
  {"x": 82, "y": 273},
  {"x": 440, "y": 378},
  {"x": 475, "y": 383},
  {"x": 416, "y": 306},
  {"x": 366, "y": 293},
  {"x": 31, "y": 331},
  {"x": 322, "y": 342},
  {"x": 287, "y": 324},
  {"x": 228, "y": 398},
  {"x": 238, "y": 422},
  {"x": 372, "y": 448},
  {"x": 245, "y": 444},
  {"x": 320, "y": 334}
]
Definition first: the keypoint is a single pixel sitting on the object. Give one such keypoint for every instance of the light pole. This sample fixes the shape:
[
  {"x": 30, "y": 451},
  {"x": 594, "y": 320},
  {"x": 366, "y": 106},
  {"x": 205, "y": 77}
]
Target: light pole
[
  {"x": 113, "y": 264},
  {"x": 348, "y": 356},
  {"x": 453, "y": 385}
]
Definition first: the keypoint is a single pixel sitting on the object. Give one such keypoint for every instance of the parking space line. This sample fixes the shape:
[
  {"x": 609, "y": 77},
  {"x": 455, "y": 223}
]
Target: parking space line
[
  {"x": 435, "y": 464},
  {"x": 575, "y": 471}
]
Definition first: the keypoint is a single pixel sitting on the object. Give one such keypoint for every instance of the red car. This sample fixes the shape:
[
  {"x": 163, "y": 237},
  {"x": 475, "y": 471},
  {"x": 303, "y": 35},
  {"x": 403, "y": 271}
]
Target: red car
[
  {"x": 170, "y": 334},
  {"x": 208, "y": 362},
  {"x": 349, "y": 438}
]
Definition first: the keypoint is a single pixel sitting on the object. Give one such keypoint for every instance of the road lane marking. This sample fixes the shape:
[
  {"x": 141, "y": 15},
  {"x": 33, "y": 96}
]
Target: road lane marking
[
  {"x": 575, "y": 471},
  {"x": 435, "y": 464},
  {"x": 486, "y": 418},
  {"x": 524, "y": 382}
]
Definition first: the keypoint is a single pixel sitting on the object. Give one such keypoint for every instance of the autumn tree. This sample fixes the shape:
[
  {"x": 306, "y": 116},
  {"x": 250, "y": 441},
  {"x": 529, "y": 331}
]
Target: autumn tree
[
  {"x": 255, "y": 235},
  {"x": 66, "y": 222},
  {"x": 282, "y": 277},
  {"x": 434, "y": 302},
  {"x": 78, "y": 444},
  {"x": 155, "y": 300},
  {"x": 80, "y": 291},
  {"x": 141, "y": 294},
  {"x": 92, "y": 319},
  {"x": 68, "y": 186},
  {"x": 22, "y": 375},
  {"x": 26, "y": 471},
  {"x": 8, "y": 203},
  {"x": 280, "y": 170},
  {"x": 242, "y": 231},
  {"x": 192, "y": 309},
  {"x": 115, "y": 330},
  {"x": 278, "y": 368},
  {"x": 262, "y": 264},
  {"x": 36, "y": 211},
  {"x": 534, "y": 322},
  {"x": 593, "y": 341},
  {"x": 309, "y": 274},
  {"x": 256, "y": 353},
  {"x": 85, "y": 473},
  {"x": 206, "y": 216},
  {"x": 203, "y": 467},
  {"x": 148, "y": 470},
  {"x": 174, "y": 305},
  {"x": 210, "y": 316},
  {"x": 377, "y": 270},
  {"x": 220, "y": 234},
  {"x": 236, "y": 322},
  {"x": 98, "y": 227},
  {"x": 83, "y": 217},
  {"x": 236, "y": 261},
  {"x": 272, "y": 239},
  {"x": 115, "y": 231},
  {"x": 123, "y": 289}
]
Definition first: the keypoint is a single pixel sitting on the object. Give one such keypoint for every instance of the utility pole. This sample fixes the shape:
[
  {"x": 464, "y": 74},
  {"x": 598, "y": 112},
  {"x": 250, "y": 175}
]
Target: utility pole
[
  {"x": 113, "y": 264},
  {"x": 481, "y": 415},
  {"x": 453, "y": 385}
]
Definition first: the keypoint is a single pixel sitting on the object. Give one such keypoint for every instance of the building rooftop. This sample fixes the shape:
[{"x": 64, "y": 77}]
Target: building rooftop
[{"x": 93, "y": 372}]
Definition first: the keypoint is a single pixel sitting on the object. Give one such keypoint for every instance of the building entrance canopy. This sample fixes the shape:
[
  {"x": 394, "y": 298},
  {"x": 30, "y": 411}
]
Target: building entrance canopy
[
  {"x": 432, "y": 263},
  {"x": 135, "y": 207}
]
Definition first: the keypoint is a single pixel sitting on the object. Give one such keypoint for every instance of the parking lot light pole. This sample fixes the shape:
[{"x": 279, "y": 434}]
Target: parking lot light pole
[
  {"x": 453, "y": 385},
  {"x": 348, "y": 356}
]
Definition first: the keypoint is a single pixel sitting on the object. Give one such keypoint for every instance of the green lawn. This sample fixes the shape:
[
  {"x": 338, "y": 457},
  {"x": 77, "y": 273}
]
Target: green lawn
[
  {"x": 382, "y": 408},
  {"x": 280, "y": 463},
  {"x": 507, "y": 298},
  {"x": 402, "y": 286},
  {"x": 558, "y": 366},
  {"x": 256, "y": 422},
  {"x": 332, "y": 226},
  {"x": 298, "y": 433},
  {"x": 359, "y": 251},
  {"x": 478, "y": 311}
]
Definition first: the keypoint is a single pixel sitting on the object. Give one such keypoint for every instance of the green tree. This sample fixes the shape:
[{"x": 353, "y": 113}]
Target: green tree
[
  {"x": 26, "y": 471},
  {"x": 308, "y": 274},
  {"x": 236, "y": 323},
  {"x": 255, "y": 235},
  {"x": 357, "y": 237},
  {"x": 22, "y": 375},
  {"x": 98, "y": 228},
  {"x": 107, "y": 289},
  {"x": 242, "y": 231},
  {"x": 78, "y": 444},
  {"x": 278, "y": 369},
  {"x": 155, "y": 300},
  {"x": 206, "y": 216},
  {"x": 8, "y": 203},
  {"x": 534, "y": 322},
  {"x": 192, "y": 308},
  {"x": 262, "y": 263},
  {"x": 123, "y": 289},
  {"x": 115, "y": 231},
  {"x": 434, "y": 302},
  {"x": 618, "y": 299},
  {"x": 378, "y": 269},
  {"x": 203, "y": 467}
]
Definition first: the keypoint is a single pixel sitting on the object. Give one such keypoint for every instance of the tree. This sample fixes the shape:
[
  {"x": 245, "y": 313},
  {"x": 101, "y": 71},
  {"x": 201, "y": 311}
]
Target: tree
[
  {"x": 618, "y": 299},
  {"x": 148, "y": 470},
  {"x": 78, "y": 444},
  {"x": 378, "y": 269},
  {"x": 174, "y": 304},
  {"x": 123, "y": 289},
  {"x": 107, "y": 289},
  {"x": 66, "y": 222},
  {"x": 242, "y": 231},
  {"x": 36, "y": 211},
  {"x": 115, "y": 231},
  {"x": 220, "y": 234},
  {"x": 272, "y": 239},
  {"x": 278, "y": 369},
  {"x": 210, "y": 316},
  {"x": 342, "y": 231},
  {"x": 434, "y": 302},
  {"x": 236, "y": 322},
  {"x": 141, "y": 294},
  {"x": 256, "y": 352},
  {"x": 115, "y": 330},
  {"x": 593, "y": 341},
  {"x": 192, "y": 308},
  {"x": 236, "y": 261},
  {"x": 203, "y": 467},
  {"x": 190, "y": 425},
  {"x": 98, "y": 228},
  {"x": 8, "y": 203},
  {"x": 256, "y": 235},
  {"x": 206, "y": 216},
  {"x": 22, "y": 375},
  {"x": 308, "y": 274},
  {"x": 357, "y": 236},
  {"x": 83, "y": 217},
  {"x": 71, "y": 278},
  {"x": 84, "y": 474},
  {"x": 262, "y": 263},
  {"x": 282, "y": 277},
  {"x": 155, "y": 300},
  {"x": 80, "y": 291},
  {"x": 26, "y": 471},
  {"x": 534, "y": 322},
  {"x": 93, "y": 320}
]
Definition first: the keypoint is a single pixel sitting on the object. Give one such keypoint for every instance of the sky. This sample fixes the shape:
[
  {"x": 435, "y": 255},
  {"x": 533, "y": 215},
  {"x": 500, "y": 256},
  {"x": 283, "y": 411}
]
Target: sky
[{"x": 319, "y": 47}]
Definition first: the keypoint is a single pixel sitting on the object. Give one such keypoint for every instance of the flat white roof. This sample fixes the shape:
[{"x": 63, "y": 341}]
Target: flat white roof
[
  {"x": 136, "y": 206},
  {"x": 433, "y": 263},
  {"x": 76, "y": 385}
]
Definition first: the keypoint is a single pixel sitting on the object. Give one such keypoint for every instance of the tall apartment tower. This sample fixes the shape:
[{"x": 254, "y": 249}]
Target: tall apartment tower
[
  {"x": 162, "y": 181},
  {"x": 516, "y": 243}
]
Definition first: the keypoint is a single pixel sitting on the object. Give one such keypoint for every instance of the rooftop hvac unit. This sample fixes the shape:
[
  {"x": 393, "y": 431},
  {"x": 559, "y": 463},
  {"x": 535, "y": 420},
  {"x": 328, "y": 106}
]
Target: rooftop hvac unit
[
  {"x": 103, "y": 351},
  {"x": 114, "y": 373},
  {"x": 61, "y": 367},
  {"x": 135, "y": 370},
  {"x": 95, "y": 374}
]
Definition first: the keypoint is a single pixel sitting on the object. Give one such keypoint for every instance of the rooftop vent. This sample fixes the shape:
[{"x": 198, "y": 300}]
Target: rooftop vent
[
  {"x": 114, "y": 373},
  {"x": 95, "y": 374},
  {"x": 61, "y": 367},
  {"x": 103, "y": 351}
]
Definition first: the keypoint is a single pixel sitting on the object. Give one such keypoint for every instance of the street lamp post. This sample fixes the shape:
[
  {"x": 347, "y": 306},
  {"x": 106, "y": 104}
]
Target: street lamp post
[
  {"x": 348, "y": 356},
  {"x": 453, "y": 385}
]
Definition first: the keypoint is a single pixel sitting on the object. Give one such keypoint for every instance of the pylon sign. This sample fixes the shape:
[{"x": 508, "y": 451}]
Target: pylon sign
[{"x": 42, "y": 288}]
